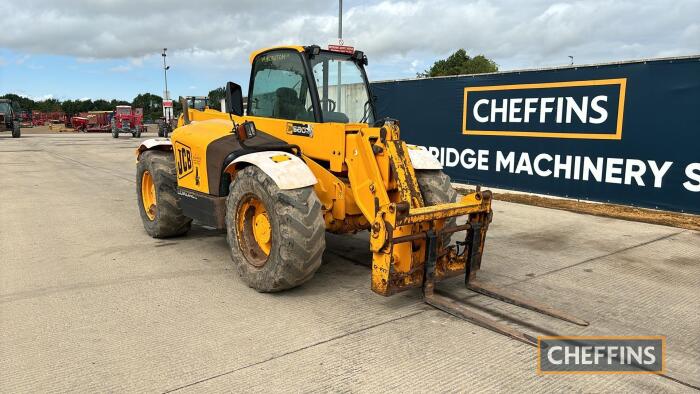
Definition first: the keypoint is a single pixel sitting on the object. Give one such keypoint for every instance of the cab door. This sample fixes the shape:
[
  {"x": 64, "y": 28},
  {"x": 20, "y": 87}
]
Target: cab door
[{"x": 283, "y": 101}]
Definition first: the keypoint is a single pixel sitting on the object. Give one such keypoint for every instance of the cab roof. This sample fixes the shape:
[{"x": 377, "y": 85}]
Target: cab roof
[{"x": 297, "y": 48}]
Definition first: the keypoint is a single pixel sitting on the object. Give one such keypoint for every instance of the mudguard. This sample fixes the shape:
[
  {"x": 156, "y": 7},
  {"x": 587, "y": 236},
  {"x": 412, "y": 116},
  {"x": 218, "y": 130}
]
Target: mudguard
[
  {"x": 154, "y": 143},
  {"x": 287, "y": 170},
  {"x": 422, "y": 159}
]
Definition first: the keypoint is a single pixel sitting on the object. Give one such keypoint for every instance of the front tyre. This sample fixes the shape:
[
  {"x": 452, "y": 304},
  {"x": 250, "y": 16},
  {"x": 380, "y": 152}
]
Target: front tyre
[
  {"x": 436, "y": 189},
  {"x": 16, "y": 132},
  {"x": 276, "y": 237},
  {"x": 115, "y": 132},
  {"x": 156, "y": 190}
]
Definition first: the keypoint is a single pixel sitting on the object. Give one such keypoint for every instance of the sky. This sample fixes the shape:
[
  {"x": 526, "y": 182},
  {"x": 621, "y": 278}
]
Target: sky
[{"x": 80, "y": 49}]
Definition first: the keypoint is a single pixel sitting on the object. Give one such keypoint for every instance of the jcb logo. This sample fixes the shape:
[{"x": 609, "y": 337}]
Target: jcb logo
[{"x": 183, "y": 156}]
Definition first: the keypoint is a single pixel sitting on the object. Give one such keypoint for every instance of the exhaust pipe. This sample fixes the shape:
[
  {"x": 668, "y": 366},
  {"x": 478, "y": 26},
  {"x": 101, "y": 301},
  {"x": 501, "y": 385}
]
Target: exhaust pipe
[{"x": 185, "y": 110}]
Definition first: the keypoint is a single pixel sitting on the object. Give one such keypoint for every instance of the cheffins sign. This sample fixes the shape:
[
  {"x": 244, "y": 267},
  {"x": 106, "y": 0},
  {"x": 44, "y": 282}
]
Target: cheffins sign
[
  {"x": 576, "y": 109},
  {"x": 622, "y": 132}
]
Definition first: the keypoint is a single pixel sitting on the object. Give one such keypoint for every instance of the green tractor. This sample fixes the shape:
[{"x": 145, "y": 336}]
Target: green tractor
[{"x": 9, "y": 117}]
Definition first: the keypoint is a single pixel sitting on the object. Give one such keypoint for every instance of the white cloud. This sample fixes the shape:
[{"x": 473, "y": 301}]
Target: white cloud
[
  {"x": 219, "y": 34},
  {"x": 22, "y": 59},
  {"x": 120, "y": 69},
  {"x": 41, "y": 97},
  {"x": 130, "y": 65}
]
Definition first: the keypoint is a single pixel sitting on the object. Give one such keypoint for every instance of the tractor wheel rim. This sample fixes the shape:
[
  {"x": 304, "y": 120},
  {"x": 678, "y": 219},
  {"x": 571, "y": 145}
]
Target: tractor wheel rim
[
  {"x": 148, "y": 195},
  {"x": 254, "y": 231}
]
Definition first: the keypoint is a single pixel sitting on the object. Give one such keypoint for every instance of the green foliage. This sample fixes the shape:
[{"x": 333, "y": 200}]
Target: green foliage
[
  {"x": 23, "y": 102},
  {"x": 71, "y": 107},
  {"x": 215, "y": 96},
  {"x": 177, "y": 107},
  {"x": 49, "y": 105},
  {"x": 460, "y": 63},
  {"x": 151, "y": 104}
]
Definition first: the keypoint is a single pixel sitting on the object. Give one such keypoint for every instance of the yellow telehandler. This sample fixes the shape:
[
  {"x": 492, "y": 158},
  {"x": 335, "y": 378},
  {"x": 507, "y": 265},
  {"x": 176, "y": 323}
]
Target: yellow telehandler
[{"x": 309, "y": 156}]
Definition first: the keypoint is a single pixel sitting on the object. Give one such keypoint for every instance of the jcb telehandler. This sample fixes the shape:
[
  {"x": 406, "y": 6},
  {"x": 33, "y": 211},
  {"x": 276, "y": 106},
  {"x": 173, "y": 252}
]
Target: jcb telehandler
[{"x": 307, "y": 157}]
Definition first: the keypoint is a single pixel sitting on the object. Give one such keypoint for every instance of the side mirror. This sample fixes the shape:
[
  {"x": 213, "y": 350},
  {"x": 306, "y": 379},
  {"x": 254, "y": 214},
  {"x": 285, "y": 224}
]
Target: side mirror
[{"x": 234, "y": 99}]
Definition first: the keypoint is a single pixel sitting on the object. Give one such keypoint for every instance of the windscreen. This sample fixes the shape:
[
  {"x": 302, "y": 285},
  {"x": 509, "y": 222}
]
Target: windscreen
[{"x": 341, "y": 88}]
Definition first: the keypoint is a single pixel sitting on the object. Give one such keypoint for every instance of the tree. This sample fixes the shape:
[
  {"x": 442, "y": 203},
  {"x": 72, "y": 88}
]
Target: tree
[
  {"x": 215, "y": 96},
  {"x": 24, "y": 102},
  {"x": 177, "y": 107},
  {"x": 150, "y": 103},
  {"x": 101, "y": 105},
  {"x": 460, "y": 63},
  {"x": 49, "y": 105},
  {"x": 70, "y": 107},
  {"x": 85, "y": 105},
  {"x": 114, "y": 102}
]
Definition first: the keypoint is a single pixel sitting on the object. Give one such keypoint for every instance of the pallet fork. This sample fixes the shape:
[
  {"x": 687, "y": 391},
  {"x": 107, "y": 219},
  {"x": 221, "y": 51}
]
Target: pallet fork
[
  {"x": 475, "y": 235},
  {"x": 408, "y": 251}
]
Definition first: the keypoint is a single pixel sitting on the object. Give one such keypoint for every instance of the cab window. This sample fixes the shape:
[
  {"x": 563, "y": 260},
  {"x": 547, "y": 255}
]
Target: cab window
[
  {"x": 342, "y": 90},
  {"x": 280, "y": 89}
]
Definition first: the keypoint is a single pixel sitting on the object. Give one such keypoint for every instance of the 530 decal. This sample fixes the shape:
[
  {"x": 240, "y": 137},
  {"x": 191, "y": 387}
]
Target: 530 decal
[{"x": 183, "y": 158}]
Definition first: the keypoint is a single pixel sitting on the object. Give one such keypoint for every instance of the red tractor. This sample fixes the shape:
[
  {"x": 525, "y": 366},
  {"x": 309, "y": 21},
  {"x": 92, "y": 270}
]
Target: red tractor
[{"x": 127, "y": 120}]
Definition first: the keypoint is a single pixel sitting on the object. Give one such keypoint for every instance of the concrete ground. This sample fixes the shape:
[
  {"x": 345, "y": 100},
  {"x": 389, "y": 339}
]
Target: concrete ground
[{"x": 89, "y": 302}]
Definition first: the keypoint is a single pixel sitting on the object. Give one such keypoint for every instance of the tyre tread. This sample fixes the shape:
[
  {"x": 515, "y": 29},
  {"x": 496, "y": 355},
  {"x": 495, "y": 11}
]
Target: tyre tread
[{"x": 300, "y": 248}]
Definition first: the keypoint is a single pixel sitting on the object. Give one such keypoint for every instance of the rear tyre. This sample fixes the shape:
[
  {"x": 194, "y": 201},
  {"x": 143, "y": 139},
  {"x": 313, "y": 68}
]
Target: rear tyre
[
  {"x": 137, "y": 133},
  {"x": 156, "y": 191},
  {"x": 115, "y": 132},
  {"x": 436, "y": 189},
  {"x": 16, "y": 132},
  {"x": 279, "y": 250}
]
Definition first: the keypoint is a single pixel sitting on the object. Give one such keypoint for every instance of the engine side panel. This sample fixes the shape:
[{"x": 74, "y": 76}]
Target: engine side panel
[
  {"x": 190, "y": 145},
  {"x": 203, "y": 149}
]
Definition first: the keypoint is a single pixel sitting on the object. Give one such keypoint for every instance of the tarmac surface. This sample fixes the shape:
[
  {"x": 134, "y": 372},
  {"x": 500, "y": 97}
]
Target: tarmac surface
[{"x": 89, "y": 302}]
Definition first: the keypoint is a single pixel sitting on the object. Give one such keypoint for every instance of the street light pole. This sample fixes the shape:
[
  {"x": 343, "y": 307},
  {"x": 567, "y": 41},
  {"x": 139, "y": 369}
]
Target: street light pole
[
  {"x": 165, "y": 71},
  {"x": 340, "y": 41}
]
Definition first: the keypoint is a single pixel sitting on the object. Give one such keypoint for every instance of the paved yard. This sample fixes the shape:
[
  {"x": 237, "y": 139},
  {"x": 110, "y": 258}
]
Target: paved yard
[{"x": 89, "y": 302}]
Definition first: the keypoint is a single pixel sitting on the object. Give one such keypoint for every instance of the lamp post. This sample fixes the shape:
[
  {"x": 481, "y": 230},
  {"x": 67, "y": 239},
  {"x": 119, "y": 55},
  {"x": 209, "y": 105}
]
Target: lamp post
[
  {"x": 340, "y": 41},
  {"x": 165, "y": 71}
]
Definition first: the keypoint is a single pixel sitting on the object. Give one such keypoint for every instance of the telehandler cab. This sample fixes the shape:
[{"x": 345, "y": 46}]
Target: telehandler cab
[{"x": 307, "y": 157}]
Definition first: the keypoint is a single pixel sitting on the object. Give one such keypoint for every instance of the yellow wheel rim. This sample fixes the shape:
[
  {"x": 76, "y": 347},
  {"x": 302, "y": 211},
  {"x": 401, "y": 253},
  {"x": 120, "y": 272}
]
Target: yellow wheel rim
[
  {"x": 254, "y": 231},
  {"x": 148, "y": 195},
  {"x": 261, "y": 230}
]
